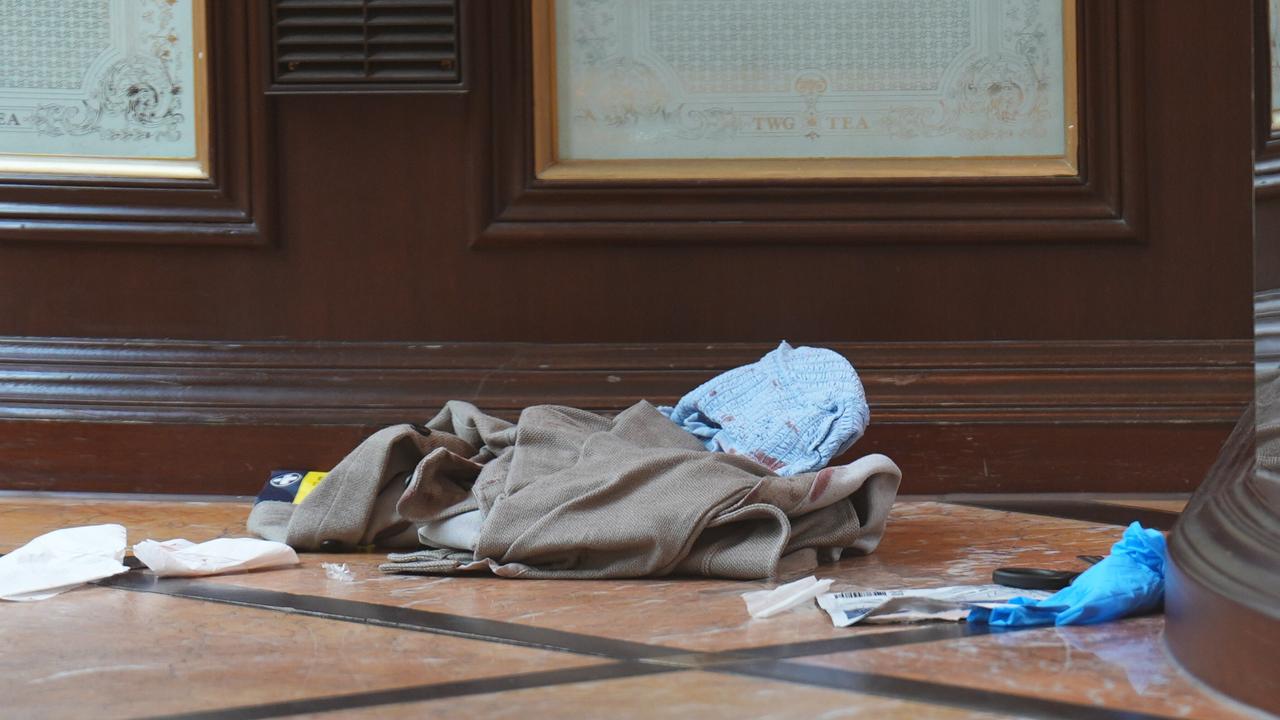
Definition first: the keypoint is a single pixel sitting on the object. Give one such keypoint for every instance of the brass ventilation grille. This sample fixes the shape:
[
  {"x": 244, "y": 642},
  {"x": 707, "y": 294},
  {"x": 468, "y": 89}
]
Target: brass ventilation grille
[{"x": 328, "y": 44}]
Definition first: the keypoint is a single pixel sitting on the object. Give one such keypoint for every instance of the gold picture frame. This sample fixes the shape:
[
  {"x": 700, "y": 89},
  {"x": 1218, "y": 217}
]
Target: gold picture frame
[
  {"x": 196, "y": 167},
  {"x": 549, "y": 165}
]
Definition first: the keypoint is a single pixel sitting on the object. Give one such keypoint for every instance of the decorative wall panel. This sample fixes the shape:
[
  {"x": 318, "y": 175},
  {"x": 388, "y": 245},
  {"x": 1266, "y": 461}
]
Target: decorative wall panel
[
  {"x": 753, "y": 183},
  {"x": 104, "y": 87},
  {"x": 134, "y": 121},
  {"x": 991, "y": 81}
]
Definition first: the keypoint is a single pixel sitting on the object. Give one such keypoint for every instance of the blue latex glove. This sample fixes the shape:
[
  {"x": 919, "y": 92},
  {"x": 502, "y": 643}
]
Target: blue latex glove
[{"x": 1129, "y": 581}]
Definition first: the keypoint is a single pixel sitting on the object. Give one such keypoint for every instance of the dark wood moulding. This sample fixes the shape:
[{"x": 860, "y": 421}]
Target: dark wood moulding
[{"x": 1223, "y": 594}]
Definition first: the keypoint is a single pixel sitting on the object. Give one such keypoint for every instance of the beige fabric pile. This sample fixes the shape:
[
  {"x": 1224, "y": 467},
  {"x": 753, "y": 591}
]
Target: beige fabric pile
[{"x": 566, "y": 493}]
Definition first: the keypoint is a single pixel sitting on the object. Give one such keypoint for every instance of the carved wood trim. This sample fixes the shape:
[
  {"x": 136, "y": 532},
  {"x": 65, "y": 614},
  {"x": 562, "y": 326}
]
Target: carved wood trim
[
  {"x": 231, "y": 207},
  {"x": 345, "y": 383},
  {"x": 1139, "y": 416},
  {"x": 1103, "y": 204}
]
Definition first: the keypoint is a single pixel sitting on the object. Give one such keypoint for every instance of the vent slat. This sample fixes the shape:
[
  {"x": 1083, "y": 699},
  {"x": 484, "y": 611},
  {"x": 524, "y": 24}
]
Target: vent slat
[
  {"x": 356, "y": 38},
  {"x": 401, "y": 38},
  {"x": 410, "y": 56},
  {"x": 338, "y": 56},
  {"x": 401, "y": 74},
  {"x": 287, "y": 24},
  {"x": 450, "y": 5},
  {"x": 411, "y": 21},
  {"x": 354, "y": 42},
  {"x": 318, "y": 4}
]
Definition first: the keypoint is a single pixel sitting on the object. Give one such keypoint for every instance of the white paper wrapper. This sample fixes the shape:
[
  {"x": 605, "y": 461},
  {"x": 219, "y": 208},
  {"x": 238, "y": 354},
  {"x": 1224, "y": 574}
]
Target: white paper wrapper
[
  {"x": 182, "y": 558},
  {"x": 61, "y": 560},
  {"x": 767, "y": 603},
  {"x": 916, "y": 604}
]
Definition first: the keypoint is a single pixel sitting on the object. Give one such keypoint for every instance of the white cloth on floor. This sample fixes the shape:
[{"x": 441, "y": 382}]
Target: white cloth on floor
[
  {"x": 61, "y": 560},
  {"x": 183, "y": 558}
]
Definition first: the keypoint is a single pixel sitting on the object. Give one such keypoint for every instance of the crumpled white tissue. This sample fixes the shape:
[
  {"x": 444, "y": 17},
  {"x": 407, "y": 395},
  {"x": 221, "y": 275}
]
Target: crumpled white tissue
[
  {"x": 182, "y": 558},
  {"x": 61, "y": 560},
  {"x": 767, "y": 603},
  {"x": 341, "y": 573}
]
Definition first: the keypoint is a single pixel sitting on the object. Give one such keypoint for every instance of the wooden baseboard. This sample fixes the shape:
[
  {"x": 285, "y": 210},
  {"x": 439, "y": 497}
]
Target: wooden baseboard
[{"x": 183, "y": 416}]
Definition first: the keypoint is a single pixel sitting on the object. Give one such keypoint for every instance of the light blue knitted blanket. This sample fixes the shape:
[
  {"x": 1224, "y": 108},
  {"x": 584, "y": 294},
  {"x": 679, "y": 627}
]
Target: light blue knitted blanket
[{"x": 793, "y": 411}]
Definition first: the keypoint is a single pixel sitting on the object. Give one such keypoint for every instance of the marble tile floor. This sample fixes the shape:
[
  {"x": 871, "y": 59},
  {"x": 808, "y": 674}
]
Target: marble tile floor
[{"x": 292, "y": 642}]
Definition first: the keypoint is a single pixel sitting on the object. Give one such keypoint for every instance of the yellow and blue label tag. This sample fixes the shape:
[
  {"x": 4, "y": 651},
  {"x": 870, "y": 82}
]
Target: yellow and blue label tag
[{"x": 291, "y": 486}]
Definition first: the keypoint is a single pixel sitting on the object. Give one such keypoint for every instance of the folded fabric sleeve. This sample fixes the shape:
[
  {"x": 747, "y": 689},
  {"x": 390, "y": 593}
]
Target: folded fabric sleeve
[
  {"x": 1129, "y": 581},
  {"x": 356, "y": 505}
]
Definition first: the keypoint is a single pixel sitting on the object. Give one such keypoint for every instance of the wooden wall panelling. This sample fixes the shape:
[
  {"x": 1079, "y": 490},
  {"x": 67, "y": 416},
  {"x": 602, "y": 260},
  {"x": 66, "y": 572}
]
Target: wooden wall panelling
[
  {"x": 379, "y": 196},
  {"x": 232, "y": 207},
  {"x": 207, "y": 458},
  {"x": 373, "y": 307},
  {"x": 958, "y": 417},
  {"x": 1104, "y": 204},
  {"x": 382, "y": 383}
]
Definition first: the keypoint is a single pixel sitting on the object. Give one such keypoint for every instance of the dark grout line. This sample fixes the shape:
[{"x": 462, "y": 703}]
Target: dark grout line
[
  {"x": 425, "y": 693},
  {"x": 1085, "y": 510},
  {"x": 938, "y": 632},
  {"x": 930, "y": 693},
  {"x": 854, "y": 642},
  {"x": 392, "y": 617},
  {"x": 496, "y": 631},
  {"x": 633, "y": 658}
]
